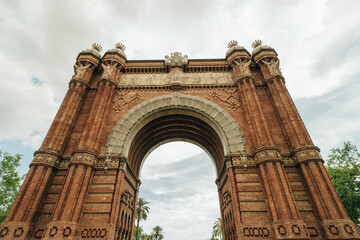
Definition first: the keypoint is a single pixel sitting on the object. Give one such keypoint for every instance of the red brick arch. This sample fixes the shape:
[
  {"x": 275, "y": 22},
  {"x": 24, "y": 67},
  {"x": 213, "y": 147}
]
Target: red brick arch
[
  {"x": 190, "y": 118},
  {"x": 273, "y": 187}
]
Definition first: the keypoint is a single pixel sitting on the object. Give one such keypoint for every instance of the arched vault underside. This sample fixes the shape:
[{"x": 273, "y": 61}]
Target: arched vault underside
[{"x": 175, "y": 117}]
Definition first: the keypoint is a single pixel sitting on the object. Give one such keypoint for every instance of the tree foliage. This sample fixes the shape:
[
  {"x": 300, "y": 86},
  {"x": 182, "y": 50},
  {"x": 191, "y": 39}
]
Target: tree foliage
[
  {"x": 157, "y": 233},
  {"x": 142, "y": 210},
  {"x": 343, "y": 166},
  {"x": 9, "y": 182},
  {"x": 217, "y": 230}
]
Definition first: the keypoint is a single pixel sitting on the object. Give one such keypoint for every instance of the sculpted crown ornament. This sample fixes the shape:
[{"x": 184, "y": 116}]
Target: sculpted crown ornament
[
  {"x": 176, "y": 59},
  {"x": 256, "y": 43},
  {"x": 232, "y": 43},
  {"x": 120, "y": 46},
  {"x": 233, "y": 46},
  {"x": 97, "y": 47},
  {"x": 258, "y": 46}
]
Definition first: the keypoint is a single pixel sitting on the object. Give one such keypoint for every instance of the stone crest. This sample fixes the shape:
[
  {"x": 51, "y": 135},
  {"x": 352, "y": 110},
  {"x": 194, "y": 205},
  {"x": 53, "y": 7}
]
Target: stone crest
[{"x": 176, "y": 59}]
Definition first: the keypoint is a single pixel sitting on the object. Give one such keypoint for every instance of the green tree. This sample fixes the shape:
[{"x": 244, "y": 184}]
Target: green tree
[
  {"x": 145, "y": 236},
  {"x": 217, "y": 229},
  {"x": 140, "y": 232},
  {"x": 157, "y": 233},
  {"x": 343, "y": 166},
  {"x": 142, "y": 210},
  {"x": 9, "y": 182}
]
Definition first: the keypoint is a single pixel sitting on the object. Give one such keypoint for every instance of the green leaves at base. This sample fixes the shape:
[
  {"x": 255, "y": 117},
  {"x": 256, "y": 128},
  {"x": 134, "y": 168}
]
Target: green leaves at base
[
  {"x": 9, "y": 182},
  {"x": 343, "y": 166}
]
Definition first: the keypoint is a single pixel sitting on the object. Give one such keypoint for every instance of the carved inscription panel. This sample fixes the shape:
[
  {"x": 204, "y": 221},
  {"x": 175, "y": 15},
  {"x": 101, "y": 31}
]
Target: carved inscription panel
[{"x": 176, "y": 77}]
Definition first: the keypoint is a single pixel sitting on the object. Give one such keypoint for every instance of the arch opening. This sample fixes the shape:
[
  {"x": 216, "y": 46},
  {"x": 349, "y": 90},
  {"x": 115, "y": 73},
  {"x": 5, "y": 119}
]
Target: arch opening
[
  {"x": 175, "y": 127},
  {"x": 180, "y": 189}
]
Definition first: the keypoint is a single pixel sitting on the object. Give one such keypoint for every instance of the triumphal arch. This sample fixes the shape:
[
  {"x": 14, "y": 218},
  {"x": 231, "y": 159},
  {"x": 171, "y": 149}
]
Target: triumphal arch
[{"x": 83, "y": 182}]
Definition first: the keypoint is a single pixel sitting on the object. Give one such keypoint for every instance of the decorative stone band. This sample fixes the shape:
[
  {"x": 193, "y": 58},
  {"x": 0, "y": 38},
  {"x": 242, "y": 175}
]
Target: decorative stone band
[
  {"x": 108, "y": 81},
  {"x": 14, "y": 230},
  {"x": 93, "y": 233},
  {"x": 267, "y": 154},
  {"x": 306, "y": 154},
  {"x": 45, "y": 158},
  {"x": 74, "y": 81},
  {"x": 245, "y": 78},
  {"x": 291, "y": 229},
  {"x": 340, "y": 229},
  {"x": 276, "y": 78},
  {"x": 300, "y": 155},
  {"x": 84, "y": 158},
  {"x": 256, "y": 231},
  {"x": 58, "y": 230}
]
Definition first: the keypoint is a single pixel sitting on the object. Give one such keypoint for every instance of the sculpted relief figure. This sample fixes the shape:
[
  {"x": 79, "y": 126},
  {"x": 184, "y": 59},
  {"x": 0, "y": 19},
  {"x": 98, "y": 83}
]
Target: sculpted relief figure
[
  {"x": 244, "y": 66},
  {"x": 273, "y": 66},
  {"x": 107, "y": 69},
  {"x": 80, "y": 70}
]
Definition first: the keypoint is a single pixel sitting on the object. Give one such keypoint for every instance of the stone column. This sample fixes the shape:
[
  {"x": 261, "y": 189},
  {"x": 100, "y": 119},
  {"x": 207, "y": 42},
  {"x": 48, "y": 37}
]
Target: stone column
[
  {"x": 334, "y": 218},
  {"x": 114, "y": 220},
  {"x": 281, "y": 203},
  {"x": 21, "y": 216},
  {"x": 69, "y": 206}
]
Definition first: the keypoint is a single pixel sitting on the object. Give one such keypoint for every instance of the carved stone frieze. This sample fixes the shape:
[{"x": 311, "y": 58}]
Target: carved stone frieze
[
  {"x": 230, "y": 97},
  {"x": 124, "y": 98},
  {"x": 208, "y": 78},
  {"x": 101, "y": 163}
]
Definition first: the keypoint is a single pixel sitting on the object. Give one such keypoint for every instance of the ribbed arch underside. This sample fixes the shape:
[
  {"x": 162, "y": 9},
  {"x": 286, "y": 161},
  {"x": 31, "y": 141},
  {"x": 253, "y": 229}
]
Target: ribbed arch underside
[{"x": 179, "y": 127}]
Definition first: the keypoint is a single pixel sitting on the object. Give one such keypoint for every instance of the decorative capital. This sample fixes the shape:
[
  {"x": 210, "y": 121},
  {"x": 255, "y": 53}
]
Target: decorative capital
[
  {"x": 80, "y": 69},
  {"x": 272, "y": 65}
]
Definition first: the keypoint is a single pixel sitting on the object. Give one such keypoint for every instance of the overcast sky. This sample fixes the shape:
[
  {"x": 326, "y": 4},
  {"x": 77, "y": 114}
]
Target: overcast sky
[{"x": 318, "y": 43}]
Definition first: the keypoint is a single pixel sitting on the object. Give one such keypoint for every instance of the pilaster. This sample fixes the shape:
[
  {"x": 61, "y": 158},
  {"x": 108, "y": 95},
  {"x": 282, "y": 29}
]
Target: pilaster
[
  {"x": 266, "y": 58},
  {"x": 240, "y": 60},
  {"x": 333, "y": 217}
]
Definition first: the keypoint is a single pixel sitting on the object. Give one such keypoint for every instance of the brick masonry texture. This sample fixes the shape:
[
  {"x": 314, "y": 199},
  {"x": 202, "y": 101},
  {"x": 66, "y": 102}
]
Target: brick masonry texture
[{"x": 84, "y": 180}]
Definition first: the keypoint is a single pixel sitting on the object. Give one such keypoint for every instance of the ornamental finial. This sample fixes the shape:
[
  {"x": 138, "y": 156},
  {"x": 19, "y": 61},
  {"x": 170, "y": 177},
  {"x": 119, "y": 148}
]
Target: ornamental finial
[
  {"x": 232, "y": 43},
  {"x": 120, "y": 46},
  {"x": 97, "y": 47},
  {"x": 256, "y": 43}
]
